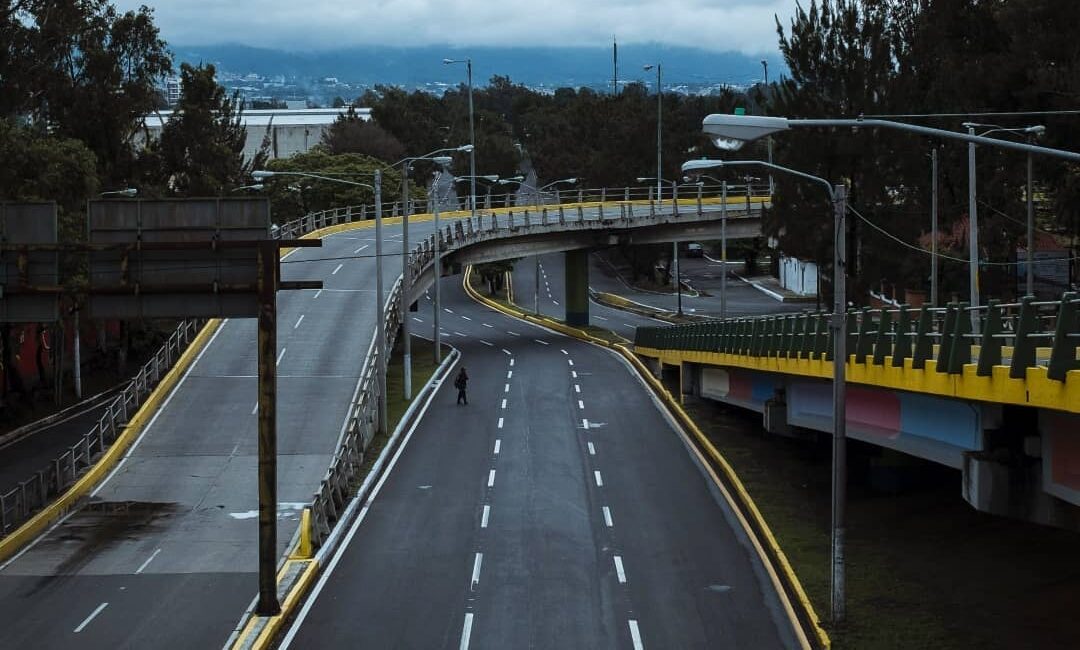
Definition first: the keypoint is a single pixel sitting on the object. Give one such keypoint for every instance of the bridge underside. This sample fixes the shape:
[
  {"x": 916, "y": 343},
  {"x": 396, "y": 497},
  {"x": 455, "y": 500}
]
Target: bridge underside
[{"x": 1016, "y": 461}]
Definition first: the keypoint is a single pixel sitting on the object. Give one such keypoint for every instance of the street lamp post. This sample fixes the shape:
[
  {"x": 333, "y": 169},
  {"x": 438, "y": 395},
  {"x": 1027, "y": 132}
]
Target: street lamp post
[
  {"x": 659, "y": 132},
  {"x": 472, "y": 133},
  {"x": 837, "y": 325},
  {"x": 406, "y": 274},
  {"x": 128, "y": 192}
]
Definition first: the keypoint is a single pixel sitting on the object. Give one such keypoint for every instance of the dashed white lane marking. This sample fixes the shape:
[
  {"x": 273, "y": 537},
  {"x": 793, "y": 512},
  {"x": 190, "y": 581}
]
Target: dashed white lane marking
[
  {"x": 541, "y": 342},
  {"x": 500, "y": 422},
  {"x": 509, "y": 374},
  {"x": 484, "y": 517},
  {"x": 467, "y": 318},
  {"x": 619, "y": 571},
  {"x": 503, "y": 404},
  {"x": 564, "y": 352},
  {"x": 584, "y": 423},
  {"x": 577, "y": 388},
  {"x": 448, "y": 310},
  {"x": 627, "y": 325},
  {"x": 506, "y": 388},
  {"x": 490, "y": 345},
  {"x": 511, "y": 363},
  {"x": 599, "y": 479},
  {"x": 573, "y": 373},
  {"x": 635, "y": 635},
  {"x": 466, "y": 632},
  {"x": 509, "y": 353},
  {"x": 145, "y": 564},
  {"x": 607, "y": 517},
  {"x": 255, "y": 409},
  {"x": 592, "y": 450},
  {"x": 89, "y": 618},
  {"x": 360, "y": 249},
  {"x": 279, "y": 356},
  {"x": 317, "y": 294},
  {"x": 570, "y": 361},
  {"x": 298, "y": 321},
  {"x": 598, "y": 317},
  {"x": 580, "y": 404},
  {"x": 487, "y": 325},
  {"x": 512, "y": 333},
  {"x": 555, "y": 302},
  {"x": 337, "y": 269},
  {"x": 491, "y": 478},
  {"x": 418, "y": 320},
  {"x": 459, "y": 333},
  {"x": 498, "y": 446}
]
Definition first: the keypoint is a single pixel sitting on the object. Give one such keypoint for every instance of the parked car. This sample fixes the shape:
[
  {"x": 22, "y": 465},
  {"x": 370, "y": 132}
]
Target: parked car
[{"x": 694, "y": 249}]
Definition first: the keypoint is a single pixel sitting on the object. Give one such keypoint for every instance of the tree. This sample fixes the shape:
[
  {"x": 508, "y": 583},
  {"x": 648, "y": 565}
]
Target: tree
[
  {"x": 202, "y": 147},
  {"x": 352, "y": 134}
]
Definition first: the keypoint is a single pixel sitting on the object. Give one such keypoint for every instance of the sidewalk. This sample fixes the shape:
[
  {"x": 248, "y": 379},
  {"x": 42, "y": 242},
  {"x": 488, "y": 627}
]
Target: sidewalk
[{"x": 770, "y": 286}]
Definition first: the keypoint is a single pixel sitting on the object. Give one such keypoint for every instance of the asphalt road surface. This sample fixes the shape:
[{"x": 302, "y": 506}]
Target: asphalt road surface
[{"x": 558, "y": 509}]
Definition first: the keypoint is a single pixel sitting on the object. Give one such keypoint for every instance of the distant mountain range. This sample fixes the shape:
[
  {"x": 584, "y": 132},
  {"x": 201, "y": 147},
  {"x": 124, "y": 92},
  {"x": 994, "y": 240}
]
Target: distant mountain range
[{"x": 533, "y": 66}]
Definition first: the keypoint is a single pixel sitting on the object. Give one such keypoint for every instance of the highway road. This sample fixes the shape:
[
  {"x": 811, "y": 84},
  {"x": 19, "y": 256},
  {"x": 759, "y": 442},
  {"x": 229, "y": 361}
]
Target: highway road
[
  {"x": 558, "y": 509},
  {"x": 164, "y": 554}
]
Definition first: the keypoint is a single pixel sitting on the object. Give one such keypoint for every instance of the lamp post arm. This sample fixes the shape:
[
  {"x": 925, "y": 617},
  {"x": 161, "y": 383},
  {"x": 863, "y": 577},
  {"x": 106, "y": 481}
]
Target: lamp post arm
[
  {"x": 940, "y": 133},
  {"x": 779, "y": 168}
]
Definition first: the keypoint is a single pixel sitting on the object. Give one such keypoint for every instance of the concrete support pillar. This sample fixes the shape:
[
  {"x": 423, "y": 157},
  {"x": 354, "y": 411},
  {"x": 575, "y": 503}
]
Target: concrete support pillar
[{"x": 577, "y": 287}]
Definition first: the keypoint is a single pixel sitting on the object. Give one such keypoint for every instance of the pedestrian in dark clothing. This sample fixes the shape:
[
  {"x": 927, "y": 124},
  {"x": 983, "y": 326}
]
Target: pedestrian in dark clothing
[{"x": 460, "y": 384}]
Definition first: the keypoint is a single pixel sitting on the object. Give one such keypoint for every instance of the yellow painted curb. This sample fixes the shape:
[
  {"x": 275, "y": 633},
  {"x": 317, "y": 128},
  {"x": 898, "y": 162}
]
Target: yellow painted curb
[
  {"x": 759, "y": 526},
  {"x": 35, "y": 525}
]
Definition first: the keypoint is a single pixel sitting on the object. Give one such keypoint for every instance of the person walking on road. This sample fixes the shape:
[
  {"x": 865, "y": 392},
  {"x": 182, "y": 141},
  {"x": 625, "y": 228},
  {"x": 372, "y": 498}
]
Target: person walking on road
[{"x": 460, "y": 384}]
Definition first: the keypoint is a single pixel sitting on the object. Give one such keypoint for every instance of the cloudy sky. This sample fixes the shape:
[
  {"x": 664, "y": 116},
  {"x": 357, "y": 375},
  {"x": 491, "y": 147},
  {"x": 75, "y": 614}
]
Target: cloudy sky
[{"x": 722, "y": 25}]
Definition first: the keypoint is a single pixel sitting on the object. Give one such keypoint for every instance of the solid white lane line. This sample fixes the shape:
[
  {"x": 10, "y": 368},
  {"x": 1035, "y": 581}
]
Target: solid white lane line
[
  {"x": 580, "y": 404},
  {"x": 607, "y": 517},
  {"x": 337, "y": 269},
  {"x": 500, "y": 422},
  {"x": 280, "y": 355},
  {"x": 577, "y": 388},
  {"x": 467, "y": 318},
  {"x": 498, "y": 446},
  {"x": 599, "y": 479},
  {"x": 360, "y": 249},
  {"x": 150, "y": 559},
  {"x": 89, "y": 618},
  {"x": 592, "y": 450},
  {"x": 509, "y": 353},
  {"x": 635, "y": 635},
  {"x": 484, "y": 517},
  {"x": 564, "y": 352},
  {"x": 466, "y": 632},
  {"x": 298, "y": 321},
  {"x": 541, "y": 342},
  {"x": 490, "y": 345},
  {"x": 317, "y": 294},
  {"x": 506, "y": 388},
  {"x": 503, "y": 404},
  {"x": 509, "y": 374},
  {"x": 619, "y": 570},
  {"x": 511, "y": 363},
  {"x": 487, "y": 325}
]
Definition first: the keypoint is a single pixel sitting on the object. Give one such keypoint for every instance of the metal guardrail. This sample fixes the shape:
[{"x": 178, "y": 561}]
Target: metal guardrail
[
  {"x": 29, "y": 496},
  {"x": 1020, "y": 335}
]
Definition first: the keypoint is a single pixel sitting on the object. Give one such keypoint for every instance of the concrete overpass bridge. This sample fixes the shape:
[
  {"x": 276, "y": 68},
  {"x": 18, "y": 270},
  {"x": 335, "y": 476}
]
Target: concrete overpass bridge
[{"x": 1001, "y": 404}]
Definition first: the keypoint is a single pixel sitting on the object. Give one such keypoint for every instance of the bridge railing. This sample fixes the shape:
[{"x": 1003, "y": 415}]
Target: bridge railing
[
  {"x": 1018, "y": 335},
  {"x": 38, "y": 490}
]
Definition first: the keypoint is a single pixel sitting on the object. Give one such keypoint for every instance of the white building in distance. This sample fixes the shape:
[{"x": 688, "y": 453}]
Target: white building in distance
[{"x": 291, "y": 131}]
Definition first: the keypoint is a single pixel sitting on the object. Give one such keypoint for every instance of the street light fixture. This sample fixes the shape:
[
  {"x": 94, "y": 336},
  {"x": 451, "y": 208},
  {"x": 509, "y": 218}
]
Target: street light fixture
[
  {"x": 472, "y": 132},
  {"x": 257, "y": 187},
  {"x": 380, "y": 324},
  {"x": 127, "y": 193},
  {"x": 838, "y": 197},
  {"x": 731, "y": 132}
]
